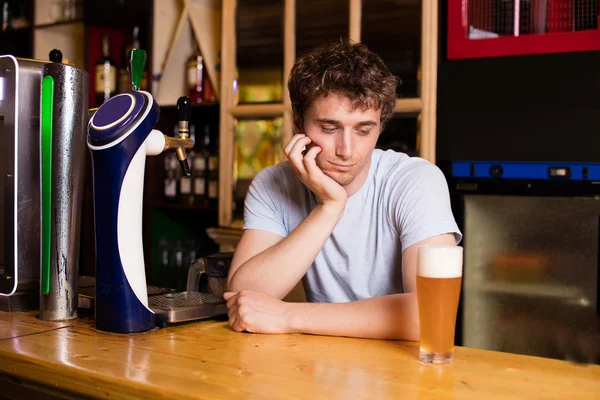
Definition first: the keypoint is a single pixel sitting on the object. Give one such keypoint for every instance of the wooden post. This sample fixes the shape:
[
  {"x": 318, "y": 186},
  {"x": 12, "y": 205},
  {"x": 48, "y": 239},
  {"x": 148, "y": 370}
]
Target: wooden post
[
  {"x": 226, "y": 121},
  {"x": 429, "y": 49},
  {"x": 355, "y": 20},
  {"x": 289, "y": 57}
]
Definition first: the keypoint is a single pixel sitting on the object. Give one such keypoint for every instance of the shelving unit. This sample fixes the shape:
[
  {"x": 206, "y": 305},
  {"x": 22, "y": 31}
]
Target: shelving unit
[
  {"x": 171, "y": 26},
  {"x": 423, "y": 107},
  {"x": 166, "y": 27},
  {"x": 175, "y": 23},
  {"x": 48, "y": 34}
]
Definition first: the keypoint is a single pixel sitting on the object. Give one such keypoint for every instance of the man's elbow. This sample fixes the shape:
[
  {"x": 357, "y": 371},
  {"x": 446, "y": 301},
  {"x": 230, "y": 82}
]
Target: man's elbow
[{"x": 233, "y": 284}]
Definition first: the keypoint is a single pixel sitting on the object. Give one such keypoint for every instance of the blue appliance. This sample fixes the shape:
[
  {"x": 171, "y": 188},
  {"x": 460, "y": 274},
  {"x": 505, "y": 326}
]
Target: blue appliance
[{"x": 120, "y": 136}]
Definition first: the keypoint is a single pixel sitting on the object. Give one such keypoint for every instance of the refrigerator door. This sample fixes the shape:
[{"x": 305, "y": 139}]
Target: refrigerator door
[{"x": 531, "y": 275}]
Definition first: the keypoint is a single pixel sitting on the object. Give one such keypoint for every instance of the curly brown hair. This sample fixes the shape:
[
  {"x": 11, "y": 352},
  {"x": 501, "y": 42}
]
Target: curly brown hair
[{"x": 345, "y": 68}]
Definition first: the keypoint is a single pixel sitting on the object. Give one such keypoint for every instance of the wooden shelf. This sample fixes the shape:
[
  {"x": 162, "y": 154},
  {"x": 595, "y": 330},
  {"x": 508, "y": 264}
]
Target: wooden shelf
[
  {"x": 196, "y": 106},
  {"x": 409, "y": 105},
  {"x": 15, "y": 32},
  {"x": 226, "y": 238},
  {"x": 536, "y": 289},
  {"x": 55, "y": 24},
  {"x": 257, "y": 110}
]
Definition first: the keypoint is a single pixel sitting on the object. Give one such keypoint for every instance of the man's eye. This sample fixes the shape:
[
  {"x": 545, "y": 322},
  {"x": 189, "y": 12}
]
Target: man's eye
[
  {"x": 328, "y": 129},
  {"x": 365, "y": 131}
]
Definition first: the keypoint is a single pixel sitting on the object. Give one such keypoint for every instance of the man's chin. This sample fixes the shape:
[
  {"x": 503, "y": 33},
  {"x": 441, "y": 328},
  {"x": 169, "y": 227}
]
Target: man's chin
[{"x": 343, "y": 179}]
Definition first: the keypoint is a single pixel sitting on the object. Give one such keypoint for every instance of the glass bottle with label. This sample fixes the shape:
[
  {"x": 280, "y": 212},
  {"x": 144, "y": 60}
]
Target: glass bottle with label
[
  {"x": 208, "y": 94},
  {"x": 171, "y": 168},
  {"x": 177, "y": 266},
  {"x": 213, "y": 171},
  {"x": 185, "y": 183},
  {"x": 195, "y": 73},
  {"x": 106, "y": 74},
  {"x": 200, "y": 172}
]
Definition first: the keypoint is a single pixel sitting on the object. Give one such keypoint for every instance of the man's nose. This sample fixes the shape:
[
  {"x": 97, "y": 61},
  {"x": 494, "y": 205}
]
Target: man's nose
[{"x": 345, "y": 146}]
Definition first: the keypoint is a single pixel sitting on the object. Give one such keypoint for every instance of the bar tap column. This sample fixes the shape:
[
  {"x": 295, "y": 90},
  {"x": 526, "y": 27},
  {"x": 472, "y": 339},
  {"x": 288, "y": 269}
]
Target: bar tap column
[{"x": 120, "y": 136}]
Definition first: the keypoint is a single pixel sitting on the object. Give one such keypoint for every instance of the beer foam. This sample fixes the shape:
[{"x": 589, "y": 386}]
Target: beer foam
[{"x": 439, "y": 261}]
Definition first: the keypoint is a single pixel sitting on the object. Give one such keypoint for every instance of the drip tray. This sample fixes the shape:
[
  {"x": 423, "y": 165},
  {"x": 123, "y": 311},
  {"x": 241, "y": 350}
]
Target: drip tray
[
  {"x": 87, "y": 294},
  {"x": 186, "y": 306}
]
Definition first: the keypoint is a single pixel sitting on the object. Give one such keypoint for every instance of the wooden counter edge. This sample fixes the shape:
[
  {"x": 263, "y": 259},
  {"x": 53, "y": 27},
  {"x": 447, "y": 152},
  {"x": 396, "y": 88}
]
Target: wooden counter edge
[{"x": 65, "y": 380}]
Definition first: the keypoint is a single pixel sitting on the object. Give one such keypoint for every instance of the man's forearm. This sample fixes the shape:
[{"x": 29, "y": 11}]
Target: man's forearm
[
  {"x": 387, "y": 317},
  {"x": 278, "y": 269}
]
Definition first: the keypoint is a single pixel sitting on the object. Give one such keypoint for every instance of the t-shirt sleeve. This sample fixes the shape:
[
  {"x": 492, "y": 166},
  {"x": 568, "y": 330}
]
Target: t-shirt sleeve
[
  {"x": 422, "y": 205},
  {"x": 263, "y": 205}
]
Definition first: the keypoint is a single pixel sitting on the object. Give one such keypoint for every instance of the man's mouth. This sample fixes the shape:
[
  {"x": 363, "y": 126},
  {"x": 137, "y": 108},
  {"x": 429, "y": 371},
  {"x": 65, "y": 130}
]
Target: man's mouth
[{"x": 342, "y": 167}]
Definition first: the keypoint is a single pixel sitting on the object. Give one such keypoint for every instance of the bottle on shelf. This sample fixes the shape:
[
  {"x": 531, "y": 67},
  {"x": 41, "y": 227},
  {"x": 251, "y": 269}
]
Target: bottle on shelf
[
  {"x": 195, "y": 73},
  {"x": 171, "y": 166},
  {"x": 186, "y": 195},
  {"x": 208, "y": 94},
  {"x": 132, "y": 43},
  {"x": 70, "y": 11},
  {"x": 6, "y": 16},
  {"x": 213, "y": 170},
  {"x": 177, "y": 265},
  {"x": 106, "y": 74},
  {"x": 191, "y": 250},
  {"x": 200, "y": 169},
  {"x": 20, "y": 16},
  {"x": 200, "y": 89},
  {"x": 161, "y": 276}
]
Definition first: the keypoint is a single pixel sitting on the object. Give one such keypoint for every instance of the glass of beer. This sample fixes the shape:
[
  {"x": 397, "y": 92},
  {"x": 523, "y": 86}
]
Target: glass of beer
[{"x": 439, "y": 276}]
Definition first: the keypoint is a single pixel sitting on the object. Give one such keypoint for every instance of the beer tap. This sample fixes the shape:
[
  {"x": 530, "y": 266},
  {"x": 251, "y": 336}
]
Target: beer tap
[
  {"x": 137, "y": 60},
  {"x": 183, "y": 142},
  {"x": 121, "y": 135}
]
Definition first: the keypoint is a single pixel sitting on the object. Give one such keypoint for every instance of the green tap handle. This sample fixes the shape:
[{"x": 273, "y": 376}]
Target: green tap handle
[{"x": 137, "y": 62}]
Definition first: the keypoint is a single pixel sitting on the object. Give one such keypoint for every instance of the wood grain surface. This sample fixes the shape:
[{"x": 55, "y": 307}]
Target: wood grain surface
[{"x": 209, "y": 360}]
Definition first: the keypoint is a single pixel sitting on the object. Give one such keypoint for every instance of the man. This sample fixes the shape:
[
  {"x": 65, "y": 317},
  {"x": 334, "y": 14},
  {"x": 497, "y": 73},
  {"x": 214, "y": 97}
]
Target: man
[{"x": 339, "y": 215}]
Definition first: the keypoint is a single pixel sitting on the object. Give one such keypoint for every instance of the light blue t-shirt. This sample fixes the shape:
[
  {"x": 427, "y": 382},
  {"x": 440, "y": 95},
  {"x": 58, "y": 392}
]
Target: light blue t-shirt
[{"x": 403, "y": 201}]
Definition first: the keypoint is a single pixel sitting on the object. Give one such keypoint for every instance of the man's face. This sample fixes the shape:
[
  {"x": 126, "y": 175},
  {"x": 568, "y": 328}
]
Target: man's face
[{"x": 346, "y": 137}]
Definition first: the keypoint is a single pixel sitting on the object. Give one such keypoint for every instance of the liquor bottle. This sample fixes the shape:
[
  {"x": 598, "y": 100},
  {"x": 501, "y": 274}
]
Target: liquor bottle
[
  {"x": 177, "y": 266},
  {"x": 208, "y": 94},
  {"x": 200, "y": 173},
  {"x": 213, "y": 171},
  {"x": 195, "y": 73},
  {"x": 106, "y": 74},
  {"x": 171, "y": 169},
  {"x": 133, "y": 43},
  {"x": 185, "y": 183}
]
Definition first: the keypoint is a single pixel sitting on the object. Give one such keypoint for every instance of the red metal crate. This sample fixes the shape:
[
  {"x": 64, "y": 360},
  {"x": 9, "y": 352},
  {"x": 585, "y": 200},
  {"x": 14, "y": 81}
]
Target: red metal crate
[{"x": 494, "y": 28}]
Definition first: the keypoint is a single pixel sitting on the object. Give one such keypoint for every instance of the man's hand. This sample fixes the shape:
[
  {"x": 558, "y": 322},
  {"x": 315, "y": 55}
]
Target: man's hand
[
  {"x": 257, "y": 312},
  {"x": 326, "y": 189}
]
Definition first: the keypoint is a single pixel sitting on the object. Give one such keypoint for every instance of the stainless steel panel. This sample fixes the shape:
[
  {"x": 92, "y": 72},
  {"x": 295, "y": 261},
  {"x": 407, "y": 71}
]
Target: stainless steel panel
[
  {"x": 69, "y": 123},
  {"x": 186, "y": 306},
  {"x": 530, "y": 275},
  {"x": 19, "y": 138}
]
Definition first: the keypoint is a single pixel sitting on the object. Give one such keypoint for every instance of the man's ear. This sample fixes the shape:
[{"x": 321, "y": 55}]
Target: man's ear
[{"x": 298, "y": 128}]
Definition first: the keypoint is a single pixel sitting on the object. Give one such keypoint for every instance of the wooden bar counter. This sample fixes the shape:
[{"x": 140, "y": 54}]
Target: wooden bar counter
[{"x": 209, "y": 360}]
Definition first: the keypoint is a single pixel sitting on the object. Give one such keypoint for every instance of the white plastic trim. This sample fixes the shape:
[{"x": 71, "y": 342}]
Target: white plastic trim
[
  {"x": 155, "y": 143},
  {"x": 129, "y": 225}
]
